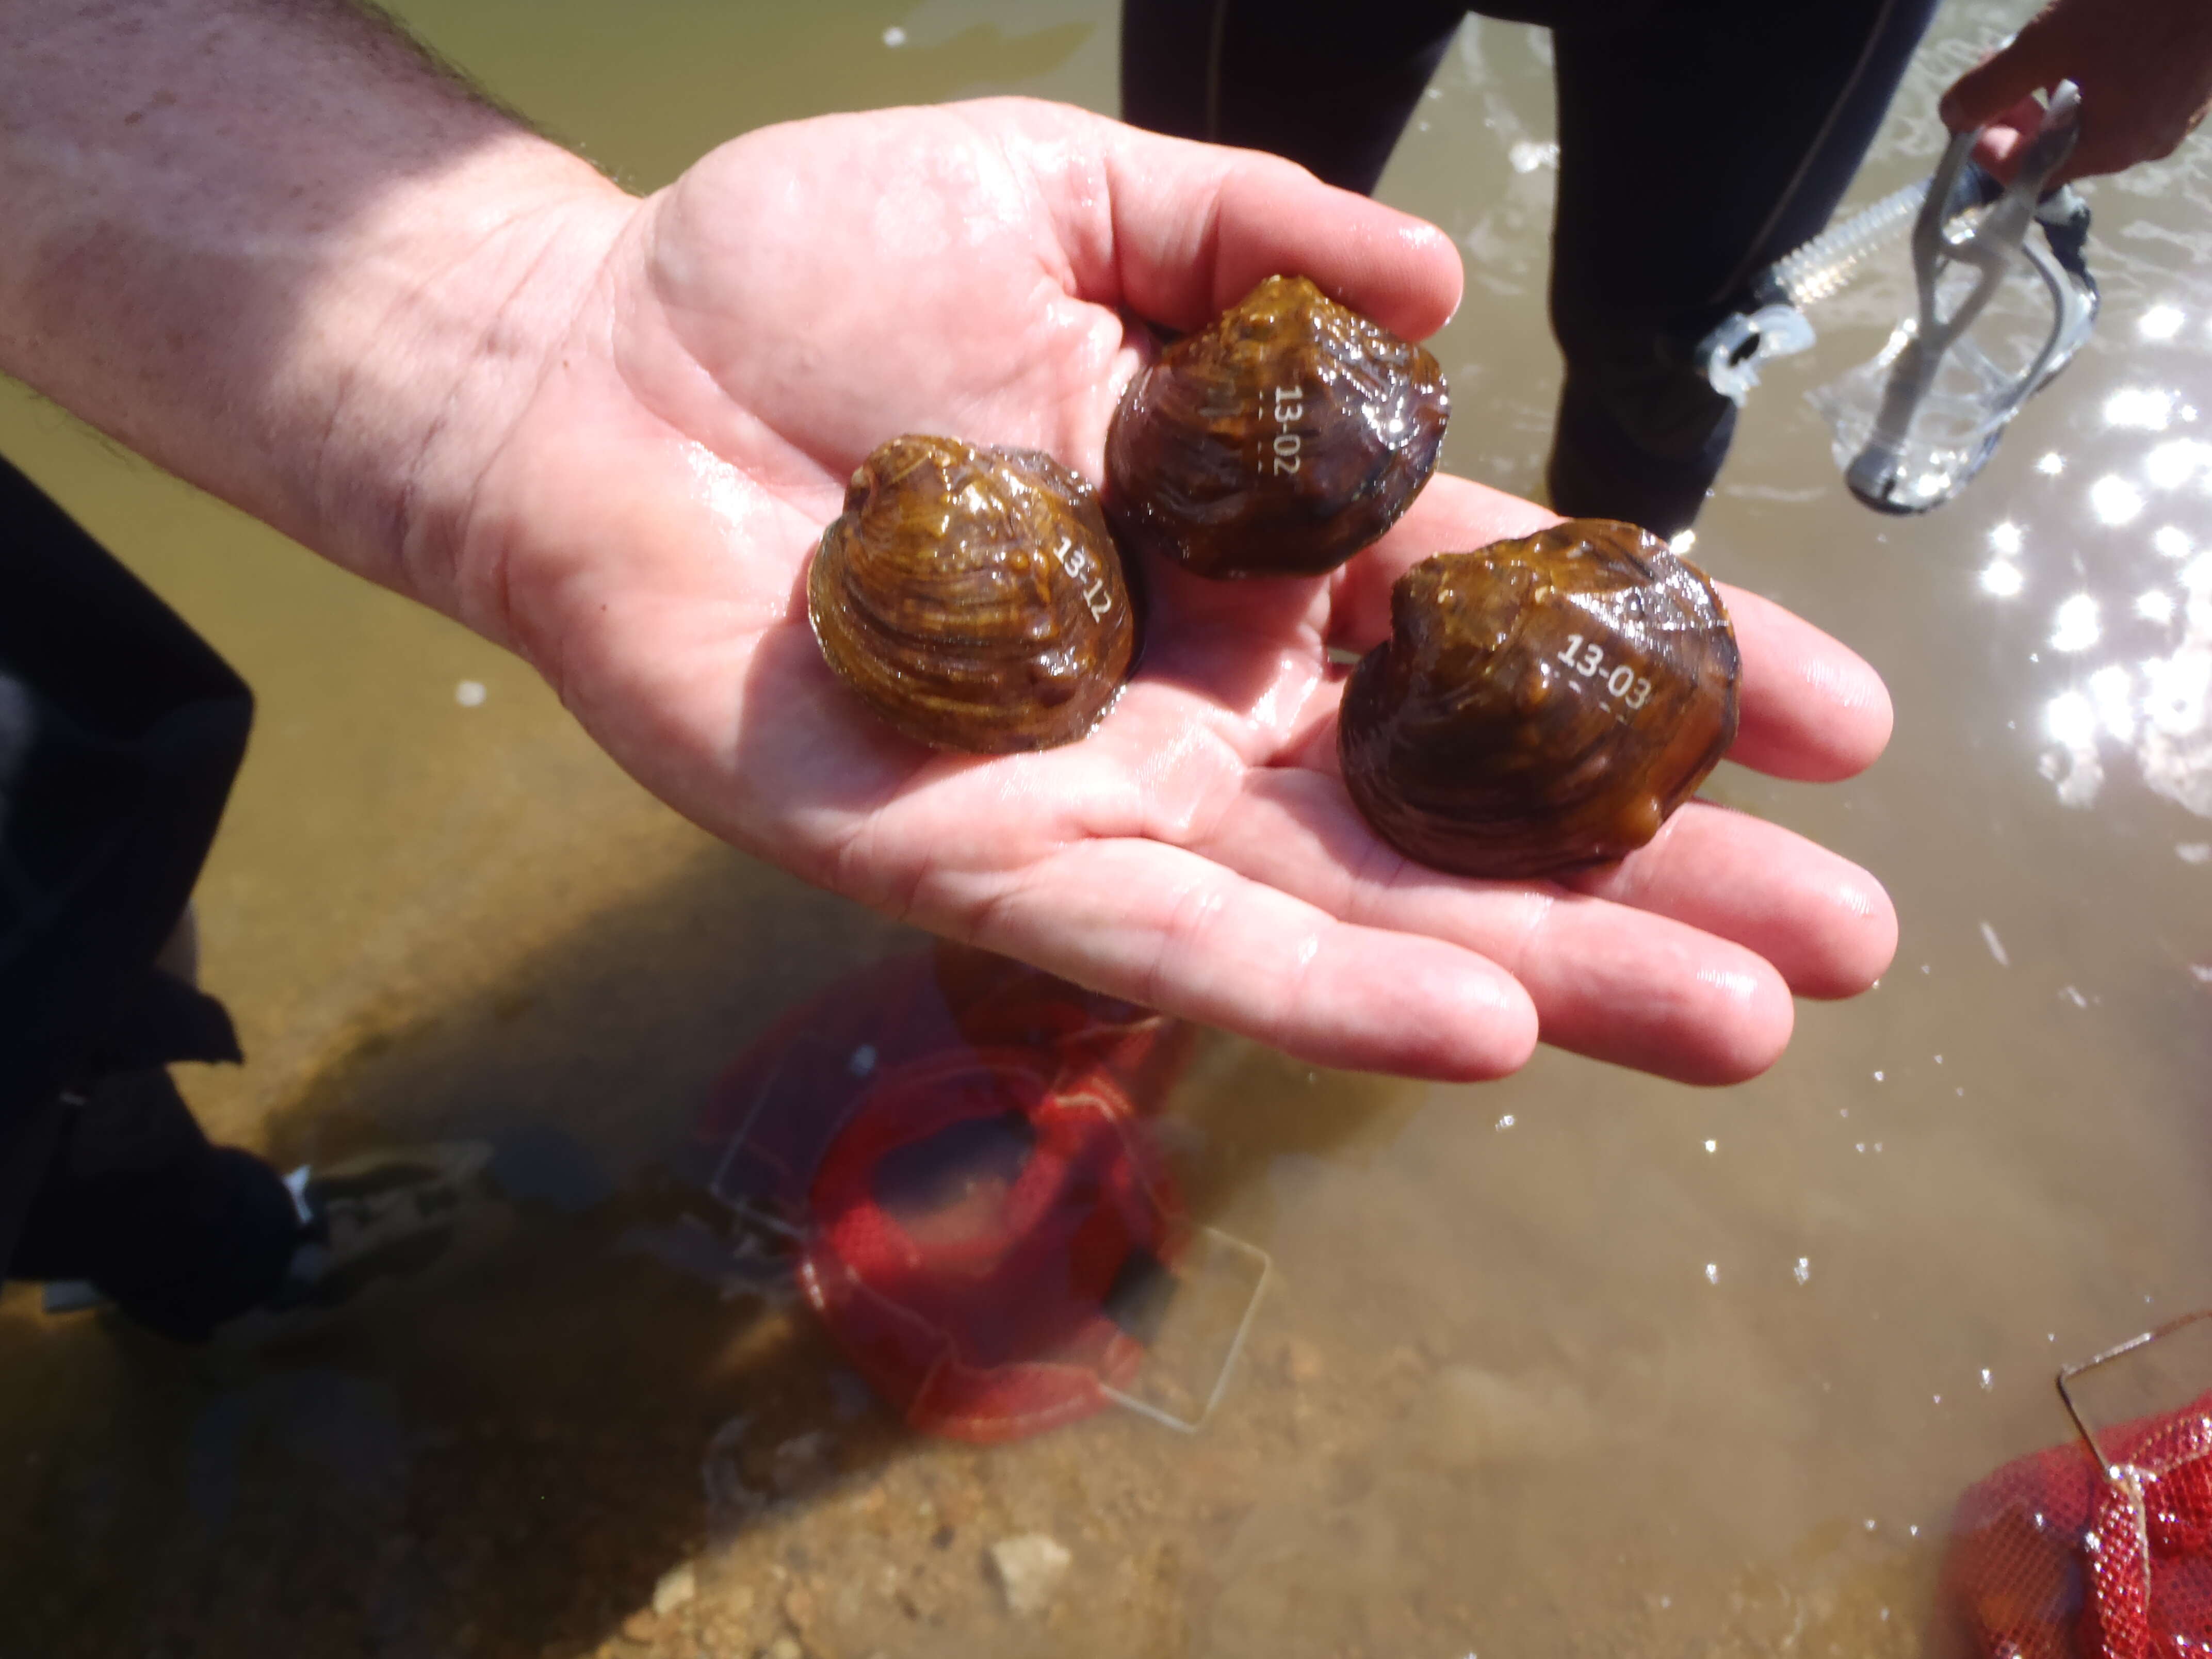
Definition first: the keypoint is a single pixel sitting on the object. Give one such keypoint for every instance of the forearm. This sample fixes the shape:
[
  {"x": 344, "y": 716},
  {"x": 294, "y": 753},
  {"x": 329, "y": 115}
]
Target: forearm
[{"x": 271, "y": 247}]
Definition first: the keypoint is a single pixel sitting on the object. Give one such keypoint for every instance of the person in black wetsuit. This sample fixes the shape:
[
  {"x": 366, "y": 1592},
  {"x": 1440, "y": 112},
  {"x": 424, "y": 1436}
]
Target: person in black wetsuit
[
  {"x": 1699, "y": 141},
  {"x": 120, "y": 731}
]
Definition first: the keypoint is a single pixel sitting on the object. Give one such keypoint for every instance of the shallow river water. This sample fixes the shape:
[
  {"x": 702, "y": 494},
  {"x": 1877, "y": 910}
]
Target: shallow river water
[{"x": 1579, "y": 1363}]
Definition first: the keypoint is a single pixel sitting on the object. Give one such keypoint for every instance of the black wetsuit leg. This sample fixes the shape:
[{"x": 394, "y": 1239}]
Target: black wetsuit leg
[
  {"x": 120, "y": 731},
  {"x": 1698, "y": 140},
  {"x": 1326, "y": 84},
  {"x": 180, "y": 1234}
]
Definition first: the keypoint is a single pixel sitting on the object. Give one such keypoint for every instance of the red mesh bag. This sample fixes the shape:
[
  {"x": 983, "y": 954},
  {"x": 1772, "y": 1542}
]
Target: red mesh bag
[
  {"x": 2055, "y": 1557},
  {"x": 955, "y": 1142},
  {"x": 988, "y": 1312},
  {"x": 771, "y": 1116}
]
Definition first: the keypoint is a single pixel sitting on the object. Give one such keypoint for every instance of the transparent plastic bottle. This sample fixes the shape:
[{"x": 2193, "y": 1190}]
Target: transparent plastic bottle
[{"x": 1915, "y": 425}]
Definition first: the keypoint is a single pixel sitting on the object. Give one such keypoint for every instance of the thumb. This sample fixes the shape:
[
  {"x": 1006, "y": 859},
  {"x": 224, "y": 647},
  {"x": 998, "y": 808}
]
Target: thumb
[
  {"x": 1982, "y": 94},
  {"x": 2005, "y": 138},
  {"x": 1195, "y": 227}
]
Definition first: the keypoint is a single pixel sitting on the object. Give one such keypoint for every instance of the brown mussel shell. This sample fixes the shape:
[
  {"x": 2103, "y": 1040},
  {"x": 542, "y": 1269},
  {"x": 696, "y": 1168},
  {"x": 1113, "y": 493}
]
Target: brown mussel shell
[
  {"x": 1541, "y": 704},
  {"x": 973, "y": 597},
  {"x": 1279, "y": 442}
]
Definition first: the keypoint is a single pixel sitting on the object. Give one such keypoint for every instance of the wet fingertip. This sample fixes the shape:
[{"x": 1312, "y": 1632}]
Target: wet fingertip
[
  {"x": 1755, "y": 1034},
  {"x": 1881, "y": 710},
  {"x": 1846, "y": 678},
  {"x": 1501, "y": 1018},
  {"x": 1723, "y": 1022},
  {"x": 1861, "y": 694},
  {"x": 1425, "y": 235},
  {"x": 1463, "y": 1024},
  {"x": 1399, "y": 271},
  {"x": 1812, "y": 709},
  {"x": 1435, "y": 257},
  {"x": 1860, "y": 949}
]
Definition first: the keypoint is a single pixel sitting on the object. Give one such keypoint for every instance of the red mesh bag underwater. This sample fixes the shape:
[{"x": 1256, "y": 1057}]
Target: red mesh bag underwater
[
  {"x": 955, "y": 1143},
  {"x": 771, "y": 1116},
  {"x": 2098, "y": 1549},
  {"x": 986, "y": 1235}
]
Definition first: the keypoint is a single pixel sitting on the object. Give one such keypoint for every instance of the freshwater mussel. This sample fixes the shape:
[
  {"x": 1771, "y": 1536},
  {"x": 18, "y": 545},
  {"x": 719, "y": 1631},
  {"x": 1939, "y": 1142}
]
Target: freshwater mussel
[
  {"x": 1279, "y": 441},
  {"x": 1542, "y": 703},
  {"x": 973, "y": 597}
]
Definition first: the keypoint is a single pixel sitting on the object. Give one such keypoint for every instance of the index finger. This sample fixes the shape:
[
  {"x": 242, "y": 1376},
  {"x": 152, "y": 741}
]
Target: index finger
[
  {"x": 1996, "y": 86},
  {"x": 1812, "y": 709},
  {"x": 1181, "y": 231}
]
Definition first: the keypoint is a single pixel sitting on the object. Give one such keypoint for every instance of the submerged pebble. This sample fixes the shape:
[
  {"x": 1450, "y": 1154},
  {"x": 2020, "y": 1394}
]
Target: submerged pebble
[
  {"x": 1029, "y": 1569},
  {"x": 677, "y": 1587}
]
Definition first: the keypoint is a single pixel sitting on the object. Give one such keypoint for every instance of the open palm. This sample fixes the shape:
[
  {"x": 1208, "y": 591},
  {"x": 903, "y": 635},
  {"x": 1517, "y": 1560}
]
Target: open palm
[{"x": 808, "y": 291}]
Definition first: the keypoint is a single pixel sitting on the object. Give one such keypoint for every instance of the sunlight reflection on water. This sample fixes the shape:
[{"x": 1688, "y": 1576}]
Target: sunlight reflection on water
[{"x": 2152, "y": 702}]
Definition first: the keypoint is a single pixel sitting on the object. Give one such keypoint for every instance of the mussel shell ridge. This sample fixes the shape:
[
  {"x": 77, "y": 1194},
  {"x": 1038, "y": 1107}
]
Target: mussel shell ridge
[
  {"x": 1542, "y": 703},
  {"x": 1279, "y": 441},
  {"x": 973, "y": 597}
]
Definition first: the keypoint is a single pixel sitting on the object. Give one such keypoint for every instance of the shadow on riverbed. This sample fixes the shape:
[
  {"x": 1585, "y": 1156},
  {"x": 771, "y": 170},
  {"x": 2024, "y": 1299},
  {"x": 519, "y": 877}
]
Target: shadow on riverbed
[{"x": 508, "y": 1455}]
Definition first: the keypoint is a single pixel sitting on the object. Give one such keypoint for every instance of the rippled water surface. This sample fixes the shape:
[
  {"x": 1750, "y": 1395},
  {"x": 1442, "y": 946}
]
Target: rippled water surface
[{"x": 1580, "y": 1363}]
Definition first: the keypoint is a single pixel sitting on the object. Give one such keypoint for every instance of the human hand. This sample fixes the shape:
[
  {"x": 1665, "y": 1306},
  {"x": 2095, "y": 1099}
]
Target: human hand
[
  {"x": 809, "y": 291},
  {"x": 2144, "y": 67}
]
